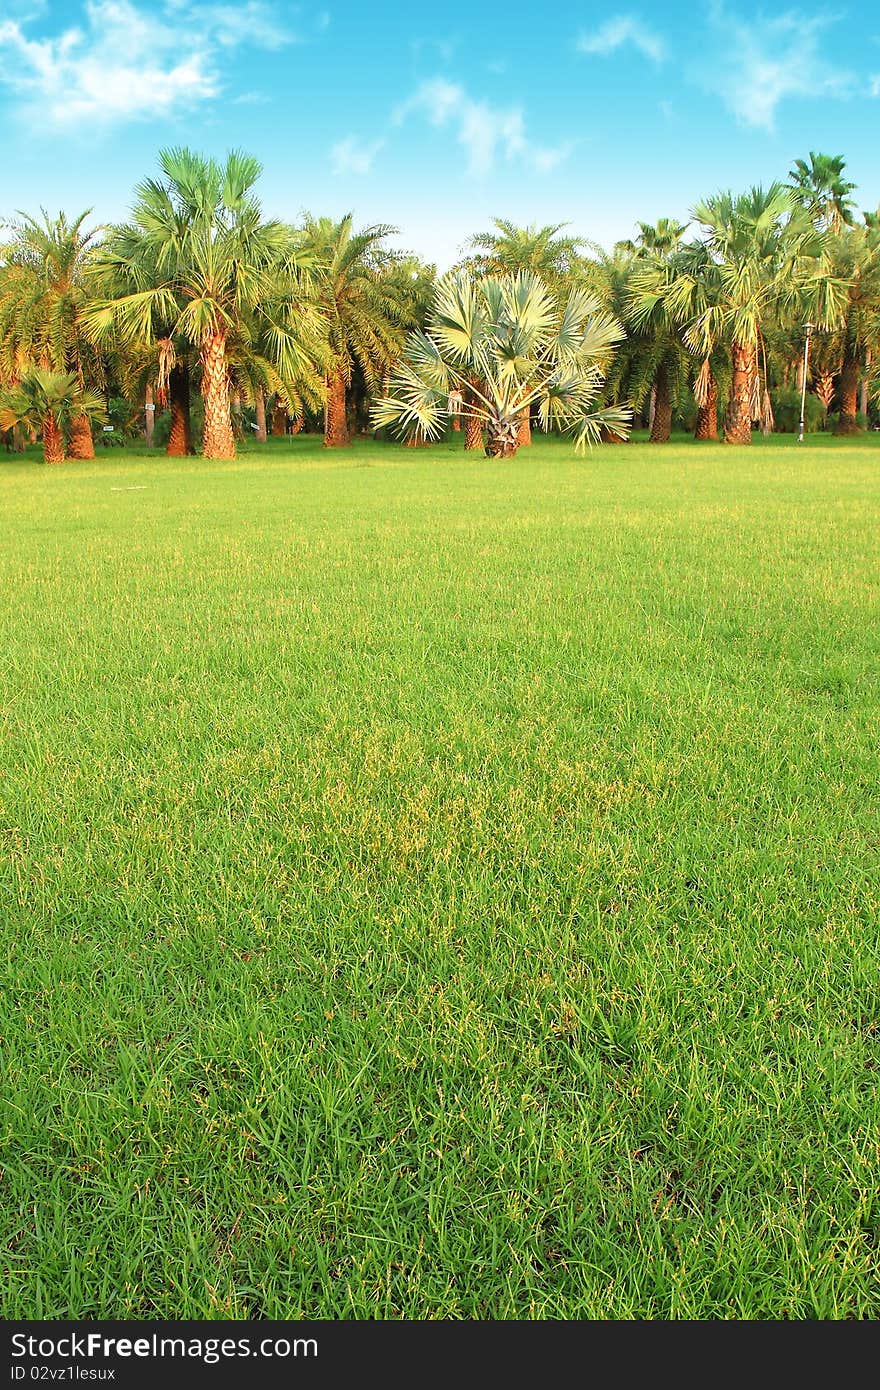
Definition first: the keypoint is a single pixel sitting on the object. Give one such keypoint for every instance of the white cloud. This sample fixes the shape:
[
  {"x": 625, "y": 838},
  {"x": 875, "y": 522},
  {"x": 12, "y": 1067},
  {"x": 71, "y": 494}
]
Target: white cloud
[
  {"x": 352, "y": 156},
  {"x": 129, "y": 62},
  {"x": 621, "y": 30},
  {"x": 875, "y": 86},
  {"x": 547, "y": 159},
  {"x": 761, "y": 62},
  {"x": 485, "y": 132},
  {"x": 253, "y": 23}
]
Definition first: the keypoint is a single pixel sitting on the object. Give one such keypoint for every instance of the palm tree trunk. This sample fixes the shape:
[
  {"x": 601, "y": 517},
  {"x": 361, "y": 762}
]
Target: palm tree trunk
[
  {"x": 81, "y": 445},
  {"x": 661, "y": 425},
  {"x": 707, "y": 414},
  {"x": 824, "y": 388},
  {"x": 473, "y": 426},
  {"x": 863, "y": 389},
  {"x": 296, "y": 424},
  {"x": 53, "y": 440},
  {"x": 180, "y": 440},
  {"x": 260, "y": 410},
  {"x": 279, "y": 417},
  {"x": 149, "y": 414},
  {"x": 524, "y": 433},
  {"x": 849, "y": 394},
  {"x": 336, "y": 432},
  {"x": 738, "y": 425},
  {"x": 501, "y": 442},
  {"x": 218, "y": 441}
]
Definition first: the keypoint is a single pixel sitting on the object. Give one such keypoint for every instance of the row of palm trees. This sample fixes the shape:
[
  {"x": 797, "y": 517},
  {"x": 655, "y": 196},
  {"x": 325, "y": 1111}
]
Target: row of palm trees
[
  {"x": 198, "y": 290},
  {"x": 198, "y": 287}
]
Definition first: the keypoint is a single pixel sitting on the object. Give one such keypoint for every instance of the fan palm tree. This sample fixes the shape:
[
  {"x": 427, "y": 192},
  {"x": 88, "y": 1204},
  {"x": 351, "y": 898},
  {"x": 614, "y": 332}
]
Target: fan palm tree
[
  {"x": 43, "y": 290},
  {"x": 670, "y": 292},
  {"x": 49, "y": 403},
  {"x": 654, "y": 312},
  {"x": 767, "y": 259},
  {"x": 510, "y": 249},
  {"x": 821, "y": 188},
  {"x": 362, "y": 306},
  {"x": 854, "y": 255},
  {"x": 658, "y": 238},
  {"x": 510, "y": 343},
  {"x": 195, "y": 267}
]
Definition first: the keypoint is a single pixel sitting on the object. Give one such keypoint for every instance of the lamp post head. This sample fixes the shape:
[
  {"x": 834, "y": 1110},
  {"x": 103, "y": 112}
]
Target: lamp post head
[{"x": 809, "y": 329}]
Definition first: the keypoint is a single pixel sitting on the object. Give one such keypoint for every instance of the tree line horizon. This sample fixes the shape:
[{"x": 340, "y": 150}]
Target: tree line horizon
[{"x": 200, "y": 311}]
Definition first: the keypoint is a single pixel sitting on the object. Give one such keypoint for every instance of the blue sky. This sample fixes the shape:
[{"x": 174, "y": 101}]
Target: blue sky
[{"x": 436, "y": 119}]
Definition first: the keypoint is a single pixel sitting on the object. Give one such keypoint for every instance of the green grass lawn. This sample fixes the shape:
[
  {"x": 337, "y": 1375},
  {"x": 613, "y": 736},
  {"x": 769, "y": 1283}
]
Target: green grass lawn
[{"x": 440, "y": 888}]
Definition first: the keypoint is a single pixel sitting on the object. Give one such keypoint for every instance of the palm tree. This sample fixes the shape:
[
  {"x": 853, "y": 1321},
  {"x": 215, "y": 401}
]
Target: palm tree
[
  {"x": 362, "y": 307},
  {"x": 658, "y": 238},
  {"x": 43, "y": 290},
  {"x": 196, "y": 266},
  {"x": 510, "y": 249},
  {"x": 669, "y": 293},
  {"x": 655, "y": 314},
  {"x": 854, "y": 255},
  {"x": 821, "y": 188},
  {"x": 509, "y": 335},
  {"x": 766, "y": 257},
  {"x": 541, "y": 250},
  {"x": 51, "y": 404}
]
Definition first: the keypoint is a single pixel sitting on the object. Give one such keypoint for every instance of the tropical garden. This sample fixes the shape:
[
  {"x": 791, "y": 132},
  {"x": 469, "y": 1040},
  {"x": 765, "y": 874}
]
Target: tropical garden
[
  {"x": 201, "y": 307},
  {"x": 438, "y": 773}
]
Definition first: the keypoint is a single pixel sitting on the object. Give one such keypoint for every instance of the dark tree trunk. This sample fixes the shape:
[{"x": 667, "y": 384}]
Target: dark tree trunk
[
  {"x": 849, "y": 395},
  {"x": 149, "y": 414},
  {"x": 279, "y": 418},
  {"x": 738, "y": 425},
  {"x": 53, "y": 440},
  {"x": 707, "y": 414},
  {"x": 863, "y": 389},
  {"x": 260, "y": 412},
  {"x": 81, "y": 445},
  {"x": 180, "y": 440},
  {"x": 473, "y": 426},
  {"x": 661, "y": 425},
  {"x": 336, "y": 432}
]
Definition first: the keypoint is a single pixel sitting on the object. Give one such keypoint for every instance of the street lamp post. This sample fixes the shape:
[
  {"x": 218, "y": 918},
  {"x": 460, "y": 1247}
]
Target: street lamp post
[{"x": 809, "y": 329}]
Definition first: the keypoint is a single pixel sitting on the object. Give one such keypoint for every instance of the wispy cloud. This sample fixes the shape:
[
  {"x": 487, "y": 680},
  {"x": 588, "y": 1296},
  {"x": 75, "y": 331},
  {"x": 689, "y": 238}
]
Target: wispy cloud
[
  {"x": 875, "y": 86},
  {"x": 623, "y": 30},
  {"x": 129, "y": 62},
  {"x": 486, "y": 133},
  {"x": 760, "y": 62},
  {"x": 354, "y": 156},
  {"x": 253, "y": 23}
]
